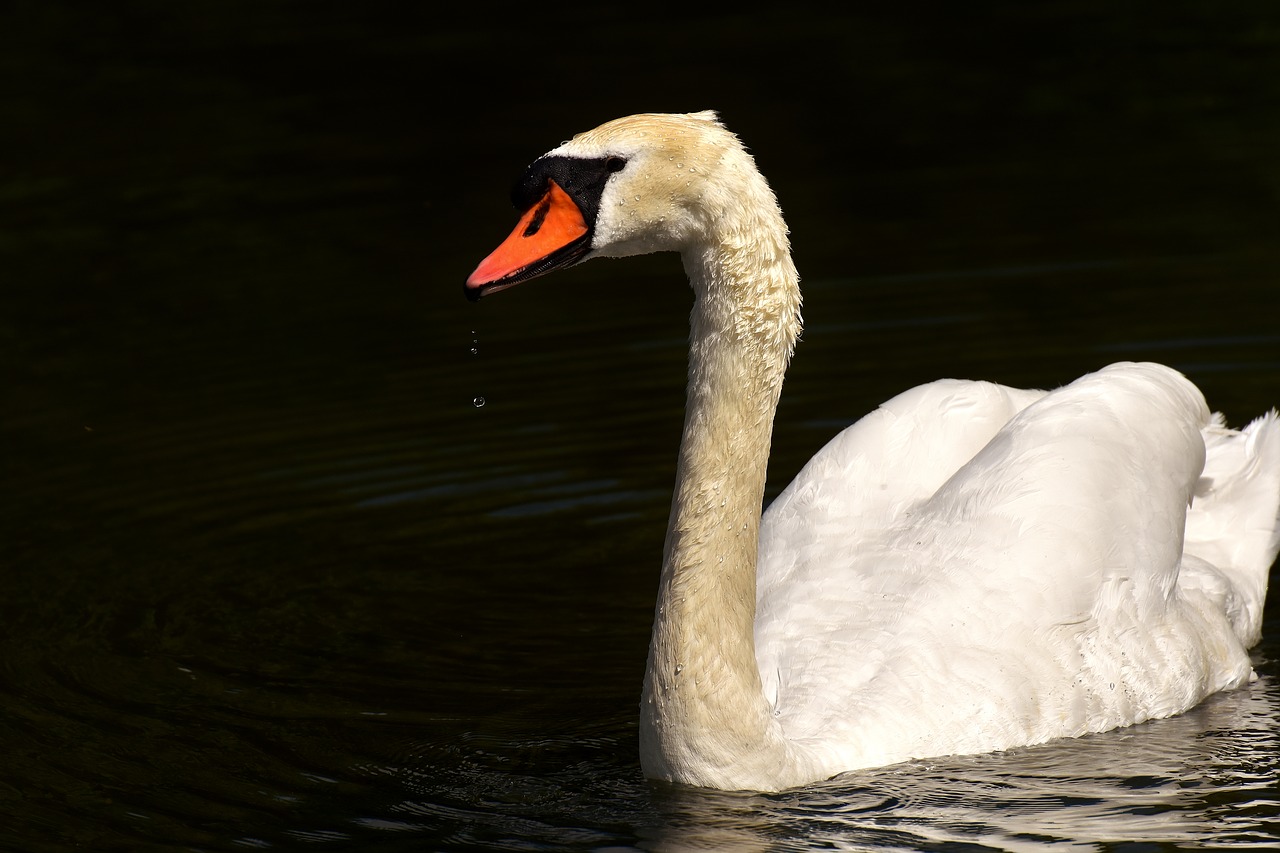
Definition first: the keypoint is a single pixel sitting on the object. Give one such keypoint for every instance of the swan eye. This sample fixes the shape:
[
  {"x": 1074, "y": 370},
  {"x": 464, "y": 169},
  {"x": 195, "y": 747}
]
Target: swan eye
[{"x": 615, "y": 164}]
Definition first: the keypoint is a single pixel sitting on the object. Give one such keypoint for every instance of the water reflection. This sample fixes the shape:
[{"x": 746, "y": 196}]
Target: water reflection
[
  {"x": 272, "y": 581},
  {"x": 1201, "y": 779}
]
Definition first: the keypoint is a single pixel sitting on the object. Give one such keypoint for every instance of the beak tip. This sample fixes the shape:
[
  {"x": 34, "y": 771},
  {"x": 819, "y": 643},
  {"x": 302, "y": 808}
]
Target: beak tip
[{"x": 477, "y": 283}]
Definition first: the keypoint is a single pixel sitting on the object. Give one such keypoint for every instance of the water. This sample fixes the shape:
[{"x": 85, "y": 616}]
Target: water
[{"x": 270, "y": 580}]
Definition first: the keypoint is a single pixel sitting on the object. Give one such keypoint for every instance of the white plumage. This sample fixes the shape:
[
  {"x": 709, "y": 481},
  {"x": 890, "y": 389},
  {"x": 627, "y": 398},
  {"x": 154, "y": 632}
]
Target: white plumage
[
  {"x": 968, "y": 568},
  {"x": 1015, "y": 571}
]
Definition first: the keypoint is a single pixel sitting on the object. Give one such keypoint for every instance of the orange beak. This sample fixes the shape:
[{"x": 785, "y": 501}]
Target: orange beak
[{"x": 550, "y": 235}]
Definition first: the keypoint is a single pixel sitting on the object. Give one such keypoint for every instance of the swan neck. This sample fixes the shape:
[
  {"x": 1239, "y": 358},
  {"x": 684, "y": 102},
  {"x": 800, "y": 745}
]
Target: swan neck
[{"x": 704, "y": 713}]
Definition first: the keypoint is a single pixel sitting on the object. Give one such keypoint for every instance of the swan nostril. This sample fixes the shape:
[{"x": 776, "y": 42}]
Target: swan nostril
[{"x": 535, "y": 224}]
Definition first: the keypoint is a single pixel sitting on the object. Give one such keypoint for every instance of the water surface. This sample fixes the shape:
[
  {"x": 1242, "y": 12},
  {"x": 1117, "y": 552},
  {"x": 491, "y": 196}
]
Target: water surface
[{"x": 270, "y": 580}]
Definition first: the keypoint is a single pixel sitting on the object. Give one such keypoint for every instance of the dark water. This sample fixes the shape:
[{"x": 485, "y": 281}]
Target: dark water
[{"x": 270, "y": 580}]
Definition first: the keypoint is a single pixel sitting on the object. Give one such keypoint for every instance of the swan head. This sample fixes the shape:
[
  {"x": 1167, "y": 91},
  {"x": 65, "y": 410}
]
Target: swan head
[{"x": 645, "y": 183}]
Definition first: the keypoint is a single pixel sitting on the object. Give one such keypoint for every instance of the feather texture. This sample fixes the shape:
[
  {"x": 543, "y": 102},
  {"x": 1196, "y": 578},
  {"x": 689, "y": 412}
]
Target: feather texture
[{"x": 968, "y": 568}]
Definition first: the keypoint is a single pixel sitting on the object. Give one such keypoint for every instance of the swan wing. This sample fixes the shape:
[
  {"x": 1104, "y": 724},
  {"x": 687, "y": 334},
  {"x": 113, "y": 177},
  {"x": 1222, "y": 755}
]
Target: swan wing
[
  {"x": 1017, "y": 585},
  {"x": 1233, "y": 533},
  {"x": 894, "y": 457}
]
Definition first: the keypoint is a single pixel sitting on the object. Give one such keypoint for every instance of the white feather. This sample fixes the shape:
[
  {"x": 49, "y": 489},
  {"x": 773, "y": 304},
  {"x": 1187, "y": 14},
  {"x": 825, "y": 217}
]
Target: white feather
[{"x": 968, "y": 568}]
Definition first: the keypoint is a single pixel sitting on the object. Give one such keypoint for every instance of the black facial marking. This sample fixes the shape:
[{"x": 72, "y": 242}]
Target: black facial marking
[{"x": 582, "y": 179}]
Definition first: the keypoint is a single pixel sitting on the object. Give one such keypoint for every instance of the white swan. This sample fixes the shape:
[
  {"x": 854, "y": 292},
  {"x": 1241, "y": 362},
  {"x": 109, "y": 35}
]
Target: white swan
[{"x": 968, "y": 568}]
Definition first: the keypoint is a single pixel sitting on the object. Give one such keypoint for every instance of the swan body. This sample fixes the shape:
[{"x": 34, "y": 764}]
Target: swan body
[{"x": 968, "y": 568}]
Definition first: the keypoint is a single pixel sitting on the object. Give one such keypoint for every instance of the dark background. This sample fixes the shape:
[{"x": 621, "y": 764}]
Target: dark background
[{"x": 269, "y": 577}]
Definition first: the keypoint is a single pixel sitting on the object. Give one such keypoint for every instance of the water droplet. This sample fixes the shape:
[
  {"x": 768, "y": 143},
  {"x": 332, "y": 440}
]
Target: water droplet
[
  {"x": 679, "y": 668},
  {"x": 478, "y": 402},
  {"x": 637, "y": 198}
]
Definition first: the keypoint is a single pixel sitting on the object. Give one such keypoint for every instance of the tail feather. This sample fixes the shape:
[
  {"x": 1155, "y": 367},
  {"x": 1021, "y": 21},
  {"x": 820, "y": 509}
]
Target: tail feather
[{"x": 1234, "y": 519}]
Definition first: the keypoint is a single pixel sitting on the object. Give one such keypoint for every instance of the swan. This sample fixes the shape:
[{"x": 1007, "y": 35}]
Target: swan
[{"x": 967, "y": 569}]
